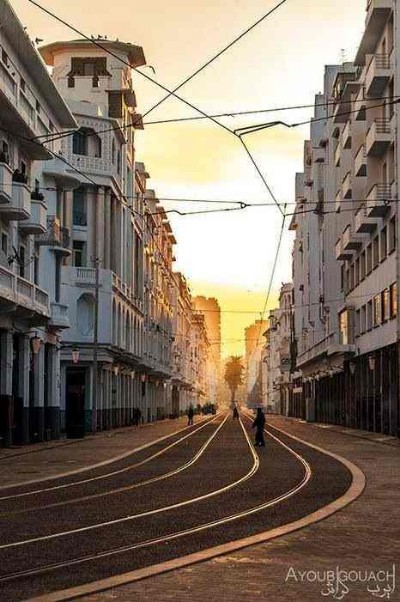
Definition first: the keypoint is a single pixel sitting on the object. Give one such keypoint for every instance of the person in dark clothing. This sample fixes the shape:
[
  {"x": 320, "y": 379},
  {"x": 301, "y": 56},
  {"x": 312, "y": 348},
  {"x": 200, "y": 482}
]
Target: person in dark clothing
[
  {"x": 235, "y": 412},
  {"x": 259, "y": 424},
  {"x": 137, "y": 416},
  {"x": 190, "y": 415}
]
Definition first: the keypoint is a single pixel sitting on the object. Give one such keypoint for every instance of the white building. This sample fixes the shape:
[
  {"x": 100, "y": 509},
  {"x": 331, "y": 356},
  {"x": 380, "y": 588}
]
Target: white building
[
  {"x": 31, "y": 308},
  {"x": 103, "y": 278},
  {"x": 346, "y": 264}
]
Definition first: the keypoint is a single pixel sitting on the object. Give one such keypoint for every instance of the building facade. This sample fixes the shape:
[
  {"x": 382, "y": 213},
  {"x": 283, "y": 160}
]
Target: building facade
[
  {"x": 346, "y": 262},
  {"x": 31, "y": 310}
]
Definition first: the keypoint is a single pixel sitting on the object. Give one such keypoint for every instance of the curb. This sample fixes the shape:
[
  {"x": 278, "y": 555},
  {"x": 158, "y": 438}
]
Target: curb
[
  {"x": 61, "y": 475},
  {"x": 355, "y": 490}
]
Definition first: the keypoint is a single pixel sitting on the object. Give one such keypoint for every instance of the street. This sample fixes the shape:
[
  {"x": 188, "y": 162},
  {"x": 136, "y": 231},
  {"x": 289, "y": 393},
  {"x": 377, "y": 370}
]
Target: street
[{"x": 196, "y": 490}]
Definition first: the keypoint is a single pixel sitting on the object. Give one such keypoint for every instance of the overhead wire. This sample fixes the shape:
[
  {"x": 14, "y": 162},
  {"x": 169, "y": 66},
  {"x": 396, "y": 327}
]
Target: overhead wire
[{"x": 173, "y": 92}]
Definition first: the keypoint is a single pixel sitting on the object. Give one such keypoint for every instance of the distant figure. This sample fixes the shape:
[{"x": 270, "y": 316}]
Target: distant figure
[
  {"x": 235, "y": 412},
  {"x": 137, "y": 414},
  {"x": 190, "y": 415},
  {"x": 259, "y": 424}
]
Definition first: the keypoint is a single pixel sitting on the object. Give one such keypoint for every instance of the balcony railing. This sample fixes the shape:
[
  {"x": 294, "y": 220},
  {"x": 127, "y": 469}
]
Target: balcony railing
[
  {"x": 22, "y": 292},
  {"x": 55, "y": 236},
  {"x": 346, "y": 186},
  {"x": 378, "y": 200},
  {"x": 379, "y": 137},
  {"x": 37, "y": 222},
  {"x": 20, "y": 206},
  {"x": 364, "y": 224},
  {"x": 378, "y": 74},
  {"x": 360, "y": 162},
  {"x": 5, "y": 183}
]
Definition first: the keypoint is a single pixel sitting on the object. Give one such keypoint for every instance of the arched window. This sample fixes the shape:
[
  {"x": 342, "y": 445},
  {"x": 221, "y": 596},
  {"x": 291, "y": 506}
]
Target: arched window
[{"x": 85, "y": 314}]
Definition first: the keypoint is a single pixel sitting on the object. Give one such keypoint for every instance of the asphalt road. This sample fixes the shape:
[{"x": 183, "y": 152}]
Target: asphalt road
[{"x": 144, "y": 510}]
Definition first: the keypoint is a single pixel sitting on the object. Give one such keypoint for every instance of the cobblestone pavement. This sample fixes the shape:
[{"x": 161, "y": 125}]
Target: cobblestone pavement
[
  {"x": 363, "y": 537},
  {"x": 19, "y": 465}
]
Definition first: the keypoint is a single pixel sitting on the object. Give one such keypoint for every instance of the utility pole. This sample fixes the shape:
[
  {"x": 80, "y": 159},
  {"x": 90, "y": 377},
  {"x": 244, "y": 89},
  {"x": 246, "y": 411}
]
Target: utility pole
[{"x": 96, "y": 347}]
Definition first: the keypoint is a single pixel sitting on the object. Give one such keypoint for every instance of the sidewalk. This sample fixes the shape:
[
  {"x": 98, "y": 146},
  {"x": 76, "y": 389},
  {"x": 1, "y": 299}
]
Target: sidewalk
[
  {"x": 365, "y": 536},
  {"x": 44, "y": 460}
]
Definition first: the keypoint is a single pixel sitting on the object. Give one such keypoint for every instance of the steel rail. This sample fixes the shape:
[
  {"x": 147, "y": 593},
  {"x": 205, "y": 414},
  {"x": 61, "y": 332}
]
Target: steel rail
[
  {"x": 218, "y": 522},
  {"x": 161, "y": 477},
  {"x": 129, "y": 518},
  {"x": 113, "y": 473}
]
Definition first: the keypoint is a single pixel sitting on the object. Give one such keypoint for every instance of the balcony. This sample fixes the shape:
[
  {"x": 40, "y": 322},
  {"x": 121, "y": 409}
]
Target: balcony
[
  {"x": 20, "y": 206},
  {"x": 378, "y": 200},
  {"x": 57, "y": 169},
  {"x": 360, "y": 163},
  {"x": 378, "y": 13},
  {"x": 85, "y": 276},
  {"x": 360, "y": 104},
  {"x": 55, "y": 237},
  {"x": 346, "y": 135},
  {"x": 59, "y": 316},
  {"x": 338, "y": 152},
  {"x": 378, "y": 75},
  {"x": 346, "y": 186},
  {"x": 364, "y": 224},
  {"x": 379, "y": 137},
  {"x": 37, "y": 222},
  {"x": 15, "y": 290},
  {"x": 350, "y": 241},
  {"x": 341, "y": 253},
  {"x": 338, "y": 201},
  {"x": 5, "y": 183}
]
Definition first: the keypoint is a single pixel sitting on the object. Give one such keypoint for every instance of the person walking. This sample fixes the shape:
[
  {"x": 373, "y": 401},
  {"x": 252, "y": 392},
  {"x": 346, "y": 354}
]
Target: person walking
[
  {"x": 235, "y": 412},
  {"x": 259, "y": 424},
  {"x": 190, "y": 415},
  {"x": 137, "y": 416}
]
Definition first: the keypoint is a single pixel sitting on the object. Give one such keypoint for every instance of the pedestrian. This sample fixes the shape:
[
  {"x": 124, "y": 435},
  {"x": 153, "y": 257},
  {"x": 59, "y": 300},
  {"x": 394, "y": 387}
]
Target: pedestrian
[
  {"x": 235, "y": 412},
  {"x": 137, "y": 414},
  {"x": 259, "y": 424},
  {"x": 190, "y": 415}
]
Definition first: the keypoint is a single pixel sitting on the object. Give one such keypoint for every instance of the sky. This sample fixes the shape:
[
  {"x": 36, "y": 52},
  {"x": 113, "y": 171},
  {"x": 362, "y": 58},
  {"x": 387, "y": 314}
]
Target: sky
[{"x": 280, "y": 63}]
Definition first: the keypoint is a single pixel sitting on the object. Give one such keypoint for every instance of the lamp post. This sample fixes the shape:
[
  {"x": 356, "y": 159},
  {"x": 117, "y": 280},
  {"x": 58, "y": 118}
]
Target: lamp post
[{"x": 75, "y": 355}]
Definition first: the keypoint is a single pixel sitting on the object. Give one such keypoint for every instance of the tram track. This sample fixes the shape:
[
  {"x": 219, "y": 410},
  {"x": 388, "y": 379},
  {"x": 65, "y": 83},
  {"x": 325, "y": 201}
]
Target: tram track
[
  {"x": 114, "y": 473},
  {"x": 133, "y": 486},
  {"x": 186, "y": 535}
]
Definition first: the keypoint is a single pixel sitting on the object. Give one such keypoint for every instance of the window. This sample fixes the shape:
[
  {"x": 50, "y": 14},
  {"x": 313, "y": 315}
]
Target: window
[
  {"x": 4, "y": 243},
  {"x": 393, "y": 300},
  {"x": 362, "y": 266},
  {"x": 71, "y": 82},
  {"x": 79, "y": 143},
  {"x": 79, "y": 212},
  {"x": 369, "y": 316},
  {"x": 375, "y": 244},
  {"x": 384, "y": 243},
  {"x": 357, "y": 272},
  {"x": 351, "y": 283},
  {"x": 368, "y": 260},
  {"x": 392, "y": 235},
  {"x": 88, "y": 66},
  {"x": 21, "y": 261},
  {"x": 385, "y": 305},
  {"x": 363, "y": 319},
  {"x": 377, "y": 310},
  {"x": 357, "y": 325},
  {"x": 4, "y": 57},
  {"x": 344, "y": 327},
  {"x": 79, "y": 253}
]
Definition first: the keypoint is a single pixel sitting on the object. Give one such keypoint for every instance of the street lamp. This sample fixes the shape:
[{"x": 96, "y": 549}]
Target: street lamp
[
  {"x": 371, "y": 362},
  {"x": 36, "y": 343},
  {"x": 75, "y": 355}
]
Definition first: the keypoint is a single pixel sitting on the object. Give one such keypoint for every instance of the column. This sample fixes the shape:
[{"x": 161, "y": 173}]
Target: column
[
  {"x": 53, "y": 392},
  {"x": 22, "y": 434},
  {"x": 38, "y": 396},
  {"x": 6, "y": 367}
]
